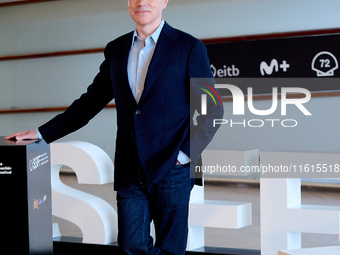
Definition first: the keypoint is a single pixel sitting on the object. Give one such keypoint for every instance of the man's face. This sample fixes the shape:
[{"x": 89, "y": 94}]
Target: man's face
[{"x": 146, "y": 12}]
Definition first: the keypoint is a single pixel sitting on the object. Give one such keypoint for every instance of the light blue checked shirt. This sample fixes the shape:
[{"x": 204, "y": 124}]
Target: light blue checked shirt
[
  {"x": 139, "y": 60},
  {"x": 138, "y": 64}
]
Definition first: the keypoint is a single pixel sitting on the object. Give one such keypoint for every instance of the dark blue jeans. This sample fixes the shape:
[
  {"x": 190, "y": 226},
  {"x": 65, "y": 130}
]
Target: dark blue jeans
[{"x": 166, "y": 204}]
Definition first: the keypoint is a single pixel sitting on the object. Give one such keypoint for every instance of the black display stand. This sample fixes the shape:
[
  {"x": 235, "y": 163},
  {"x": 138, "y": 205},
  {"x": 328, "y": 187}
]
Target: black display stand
[{"x": 25, "y": 197}]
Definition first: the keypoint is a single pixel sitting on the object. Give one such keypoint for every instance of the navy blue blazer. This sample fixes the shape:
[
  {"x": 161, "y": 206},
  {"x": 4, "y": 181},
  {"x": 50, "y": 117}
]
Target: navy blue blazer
[{"x": 159, "y": 125}]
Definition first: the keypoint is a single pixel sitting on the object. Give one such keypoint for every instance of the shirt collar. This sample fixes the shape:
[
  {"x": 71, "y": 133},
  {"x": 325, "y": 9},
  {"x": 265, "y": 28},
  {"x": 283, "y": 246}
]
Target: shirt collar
[{"x": 154, "y": 36}]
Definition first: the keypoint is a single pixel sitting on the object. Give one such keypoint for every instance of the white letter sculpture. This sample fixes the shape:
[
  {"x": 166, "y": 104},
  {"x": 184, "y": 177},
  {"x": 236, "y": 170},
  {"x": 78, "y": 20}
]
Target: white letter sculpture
[{"x": 95, "y": 217}]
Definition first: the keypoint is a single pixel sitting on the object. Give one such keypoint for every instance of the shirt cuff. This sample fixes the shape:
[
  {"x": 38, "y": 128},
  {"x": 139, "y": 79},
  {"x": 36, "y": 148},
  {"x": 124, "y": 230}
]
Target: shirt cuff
[
  {"x": 38, "y": 134},
  {"x": 183, "y": 158}
]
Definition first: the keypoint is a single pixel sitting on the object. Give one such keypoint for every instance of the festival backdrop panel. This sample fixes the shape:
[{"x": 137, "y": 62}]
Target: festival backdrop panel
[{"x": 297, "y": 57}]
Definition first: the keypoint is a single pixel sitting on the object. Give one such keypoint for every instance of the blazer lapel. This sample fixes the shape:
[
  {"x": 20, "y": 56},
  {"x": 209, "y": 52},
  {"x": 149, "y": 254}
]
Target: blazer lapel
[
  {"x": 125, "y": 84},
  {"x": 165, "y": 47}
]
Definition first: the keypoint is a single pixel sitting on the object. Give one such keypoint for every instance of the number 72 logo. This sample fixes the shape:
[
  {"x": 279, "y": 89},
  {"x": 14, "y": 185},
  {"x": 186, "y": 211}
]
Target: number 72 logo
[{"x": 324, "y": 64}]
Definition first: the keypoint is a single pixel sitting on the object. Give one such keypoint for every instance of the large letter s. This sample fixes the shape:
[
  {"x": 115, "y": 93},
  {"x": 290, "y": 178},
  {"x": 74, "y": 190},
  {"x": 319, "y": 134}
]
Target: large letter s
[{"x": 96, "y": 218}]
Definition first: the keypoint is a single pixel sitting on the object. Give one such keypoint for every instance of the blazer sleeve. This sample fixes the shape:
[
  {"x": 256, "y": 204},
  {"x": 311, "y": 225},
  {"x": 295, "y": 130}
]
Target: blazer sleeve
[
  {"x": 82, "y": 110},
  {"x": 199, "y": 72}
]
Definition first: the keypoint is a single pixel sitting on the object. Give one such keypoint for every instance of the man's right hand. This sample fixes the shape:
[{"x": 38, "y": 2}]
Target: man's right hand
[{"x": 28, "y": 134}]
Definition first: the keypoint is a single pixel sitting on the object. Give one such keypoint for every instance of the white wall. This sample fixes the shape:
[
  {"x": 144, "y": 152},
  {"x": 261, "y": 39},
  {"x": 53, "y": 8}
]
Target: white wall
[{"x": 82, "y": 24}]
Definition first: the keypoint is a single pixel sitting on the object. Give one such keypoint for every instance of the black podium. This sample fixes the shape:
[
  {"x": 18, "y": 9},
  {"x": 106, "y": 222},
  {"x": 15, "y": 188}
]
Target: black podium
[{"x": 25, "y": 197}]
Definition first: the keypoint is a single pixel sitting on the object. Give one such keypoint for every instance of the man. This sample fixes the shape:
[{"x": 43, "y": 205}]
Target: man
[{"x": 148, "y": 73}]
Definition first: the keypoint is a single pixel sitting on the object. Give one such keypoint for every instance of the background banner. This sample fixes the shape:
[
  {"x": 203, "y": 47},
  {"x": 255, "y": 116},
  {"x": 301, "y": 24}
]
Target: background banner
[{"x": 297, "y": 57}]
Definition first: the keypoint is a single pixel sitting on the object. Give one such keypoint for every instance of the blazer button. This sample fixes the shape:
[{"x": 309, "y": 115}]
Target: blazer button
[{"x": 137, "y": 112}]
